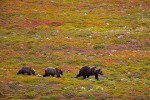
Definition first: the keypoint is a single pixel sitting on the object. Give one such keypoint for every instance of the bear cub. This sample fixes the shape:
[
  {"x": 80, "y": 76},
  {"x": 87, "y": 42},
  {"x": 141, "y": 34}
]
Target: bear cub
[
  {"x": 26, "y": 70},
  {"x": 53, "y": 71},
  {"x": 87, "y": 71}
]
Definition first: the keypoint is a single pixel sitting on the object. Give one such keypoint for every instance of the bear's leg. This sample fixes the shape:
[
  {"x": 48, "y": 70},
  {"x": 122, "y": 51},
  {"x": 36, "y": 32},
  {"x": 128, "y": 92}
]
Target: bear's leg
[
  {"x": 88, "y": 76},
  {"x": 46, "y": 74},
  {"x": 96, "y": 76},
  {"x": 84, "y": 76},
  {"x": 58, "y": 76},
  {"x": 29, "y": 73},
  {"x": 53, "y": 75},
  {"x": 78, "y": 75}
]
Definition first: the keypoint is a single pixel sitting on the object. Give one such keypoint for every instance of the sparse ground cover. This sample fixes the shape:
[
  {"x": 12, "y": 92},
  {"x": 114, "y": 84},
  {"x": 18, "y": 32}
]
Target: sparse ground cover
[{"x": 114, "y": 35}]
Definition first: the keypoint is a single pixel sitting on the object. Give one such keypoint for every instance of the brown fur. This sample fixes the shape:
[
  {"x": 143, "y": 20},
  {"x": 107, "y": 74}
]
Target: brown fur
[
  {"x": 53, "y": 71},
  {"x": 87, "y": 71},
  {"x": 26, "y": 70}
]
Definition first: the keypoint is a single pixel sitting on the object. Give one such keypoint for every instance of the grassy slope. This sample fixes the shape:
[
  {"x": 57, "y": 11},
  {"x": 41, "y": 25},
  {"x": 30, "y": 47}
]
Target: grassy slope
[{"x": 69, "y": 34}]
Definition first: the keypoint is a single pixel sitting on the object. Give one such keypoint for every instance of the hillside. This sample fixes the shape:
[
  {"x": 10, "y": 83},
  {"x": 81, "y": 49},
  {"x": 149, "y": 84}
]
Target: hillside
[{"x": 111, "y": 34}]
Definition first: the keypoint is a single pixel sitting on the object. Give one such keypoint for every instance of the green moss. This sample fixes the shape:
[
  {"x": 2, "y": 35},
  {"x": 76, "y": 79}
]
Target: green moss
[
  {"x": 88, "y": 96},
  {"x": 30, "y": 95},
  {"x": 49, "y": 97}
]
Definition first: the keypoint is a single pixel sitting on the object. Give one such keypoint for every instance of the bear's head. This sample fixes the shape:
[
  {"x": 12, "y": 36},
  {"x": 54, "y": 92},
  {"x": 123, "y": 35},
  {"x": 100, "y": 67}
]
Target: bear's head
[
  {"x": 99, "y": 71},
  {"x": 59, "y": 71},
  {"x": 32, "y": 71}
]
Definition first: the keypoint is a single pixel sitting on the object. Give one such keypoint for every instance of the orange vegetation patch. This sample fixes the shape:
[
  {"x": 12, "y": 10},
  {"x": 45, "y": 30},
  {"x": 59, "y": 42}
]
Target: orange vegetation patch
[
  {"x": 24, "y": 45},
  {"x": 133, "y": 53},
  {"x": 11, "y": 54},
  {"x": 111, "y": 61},
  {"x": 2, "y": 23},
  {"x": 69, "y": 69},
  {"x": 39, "y": 55},
  {"x": 134, "y": 1},
  {"x": 84, "y": 5},
  {"x": 36, "y": 22}
]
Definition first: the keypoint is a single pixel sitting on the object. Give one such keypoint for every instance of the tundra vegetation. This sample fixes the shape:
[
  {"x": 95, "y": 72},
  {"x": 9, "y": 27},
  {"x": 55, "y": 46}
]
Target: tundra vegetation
[{"x": 69, "y": 34}]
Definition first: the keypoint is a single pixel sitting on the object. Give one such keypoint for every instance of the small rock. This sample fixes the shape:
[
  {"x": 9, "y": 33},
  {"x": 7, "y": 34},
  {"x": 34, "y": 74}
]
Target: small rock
[
  {"x": 102, "y": 88},
  {"x": 90, "y": 36},
  {"x": 39, "y": 75},
  {"x": 93, "y": 80},
  {"x": 107, "y": 24},
  {"x": 82, "y": 88}
]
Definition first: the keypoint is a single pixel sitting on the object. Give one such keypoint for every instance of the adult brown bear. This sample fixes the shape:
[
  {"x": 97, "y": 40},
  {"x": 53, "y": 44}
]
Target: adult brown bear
[
  {"x": 26, "y": 70},
  {"x": 87, "y": 71},
  {"x": 53, "y": 71}
]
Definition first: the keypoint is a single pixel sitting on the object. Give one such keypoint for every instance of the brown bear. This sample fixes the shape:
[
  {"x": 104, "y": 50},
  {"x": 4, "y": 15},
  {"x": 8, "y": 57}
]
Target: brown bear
[
  {"x": 87, "y": 71},
  {"x": 27, "y": 70},
  {"x": 53, "y": 71}
]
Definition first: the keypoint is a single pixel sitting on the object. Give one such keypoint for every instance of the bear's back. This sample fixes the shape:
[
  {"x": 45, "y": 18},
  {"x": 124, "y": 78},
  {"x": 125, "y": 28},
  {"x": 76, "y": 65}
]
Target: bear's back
[
  {"x": 50, "y": 70},
  {"x": 24, "y": 68},
  {"x": 85, "y": 70}
]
